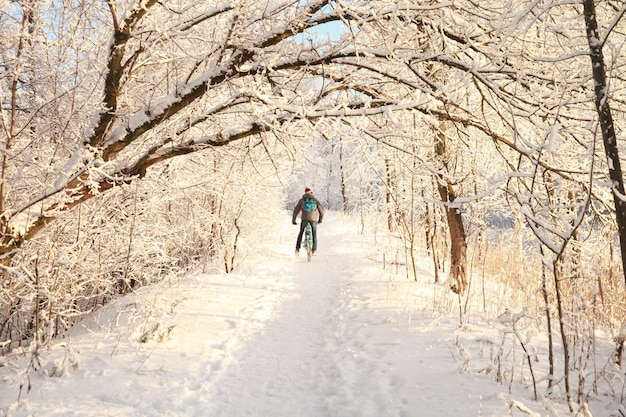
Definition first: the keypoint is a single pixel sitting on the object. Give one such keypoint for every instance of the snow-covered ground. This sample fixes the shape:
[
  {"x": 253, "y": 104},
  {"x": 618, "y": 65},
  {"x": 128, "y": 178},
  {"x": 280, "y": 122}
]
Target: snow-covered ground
[{"x": 339, "y": 336}]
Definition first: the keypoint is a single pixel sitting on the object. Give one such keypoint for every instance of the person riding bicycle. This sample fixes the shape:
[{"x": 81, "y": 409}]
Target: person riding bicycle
[{"x": 312, "y": 213}]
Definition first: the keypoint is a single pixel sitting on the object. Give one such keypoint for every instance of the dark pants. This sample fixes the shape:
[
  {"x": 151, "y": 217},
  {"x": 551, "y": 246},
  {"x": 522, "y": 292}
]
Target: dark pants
[{"x": 303, "y": 224}]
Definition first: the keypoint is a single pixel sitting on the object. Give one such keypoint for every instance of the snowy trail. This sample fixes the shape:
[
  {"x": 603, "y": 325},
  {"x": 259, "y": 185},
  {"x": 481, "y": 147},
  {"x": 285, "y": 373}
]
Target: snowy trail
[
  {"x": 336, "y": 337},
  {"x": 334, "y": 348},
  {"x": 309, "y": 360}
]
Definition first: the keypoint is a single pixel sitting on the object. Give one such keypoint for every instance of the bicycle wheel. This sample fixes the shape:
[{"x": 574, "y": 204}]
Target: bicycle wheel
[{"x": 308, "y": 242}]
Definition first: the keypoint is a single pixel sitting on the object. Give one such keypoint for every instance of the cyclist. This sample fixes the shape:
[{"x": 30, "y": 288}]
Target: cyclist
[{"x": 312, "y": 213}]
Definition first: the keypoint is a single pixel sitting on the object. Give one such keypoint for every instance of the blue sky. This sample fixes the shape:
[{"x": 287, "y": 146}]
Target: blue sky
[
  {"x": 323, "y": 31},
  {"x": 332, "y": 29}
]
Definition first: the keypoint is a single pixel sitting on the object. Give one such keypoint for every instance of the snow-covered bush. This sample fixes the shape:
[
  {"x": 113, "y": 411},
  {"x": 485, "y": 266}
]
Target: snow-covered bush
[{"x": 169, "y": 223}]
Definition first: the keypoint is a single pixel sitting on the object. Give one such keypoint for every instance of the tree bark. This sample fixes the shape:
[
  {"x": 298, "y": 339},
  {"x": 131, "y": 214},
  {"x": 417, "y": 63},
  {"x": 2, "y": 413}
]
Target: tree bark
[
  {"x": 5, "y": 161},
  {"x": 388, "y": 197},
  {"x": 607, "y": 126},
  {"x": 342, "y": 178},
  {"x": 458, "y": 241}
]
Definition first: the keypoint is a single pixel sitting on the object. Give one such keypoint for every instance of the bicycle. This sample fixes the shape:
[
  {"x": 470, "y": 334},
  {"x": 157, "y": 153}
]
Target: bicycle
[{"x": 308, "y": 241}]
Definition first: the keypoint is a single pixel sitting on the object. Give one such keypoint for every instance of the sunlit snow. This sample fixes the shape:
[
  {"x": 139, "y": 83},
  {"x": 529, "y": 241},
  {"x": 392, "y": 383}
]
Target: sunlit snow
[{"x": 343, "y": 335}]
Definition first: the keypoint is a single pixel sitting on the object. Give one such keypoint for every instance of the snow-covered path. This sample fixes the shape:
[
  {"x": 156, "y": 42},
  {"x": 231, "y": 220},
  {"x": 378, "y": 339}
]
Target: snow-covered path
[
  {"x": 312, "y": 358},
  {"x": 283, "y": 337}
]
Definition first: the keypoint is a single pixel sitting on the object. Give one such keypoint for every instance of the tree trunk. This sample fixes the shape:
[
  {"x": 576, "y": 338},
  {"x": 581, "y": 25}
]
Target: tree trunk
[
  {"x": 342, "y": 177},
  {"x": 546, "y": 300},
  {"x": 27, "y": 30},
  {"x": 388, "y": 197},
  {"x": 458, "y": 241},
  {"x": 606, "y": 123},
  {"x": 564, "y": 332}
]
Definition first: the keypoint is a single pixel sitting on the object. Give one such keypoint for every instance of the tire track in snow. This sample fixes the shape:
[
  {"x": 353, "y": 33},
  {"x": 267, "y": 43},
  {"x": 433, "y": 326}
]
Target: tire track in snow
[
  {"x": 355, "y": 376},
  {"x": 315, "y": 356}
]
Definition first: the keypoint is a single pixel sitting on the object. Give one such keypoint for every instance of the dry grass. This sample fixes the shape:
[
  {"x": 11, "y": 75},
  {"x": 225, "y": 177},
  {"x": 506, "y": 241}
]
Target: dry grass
[{"x": 510, "y": 273}]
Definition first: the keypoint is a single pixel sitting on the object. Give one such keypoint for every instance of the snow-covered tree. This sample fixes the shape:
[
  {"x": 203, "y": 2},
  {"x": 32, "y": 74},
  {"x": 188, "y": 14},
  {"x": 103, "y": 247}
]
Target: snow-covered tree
[{"x": 128, "y": 85}]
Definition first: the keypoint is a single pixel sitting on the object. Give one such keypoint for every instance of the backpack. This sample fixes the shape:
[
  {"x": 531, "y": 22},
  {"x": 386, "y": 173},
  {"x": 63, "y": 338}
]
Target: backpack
[{"x": 309, "y": 205}]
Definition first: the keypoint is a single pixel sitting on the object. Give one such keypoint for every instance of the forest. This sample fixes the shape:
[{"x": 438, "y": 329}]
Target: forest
[{"x": 143, "y": 139}]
